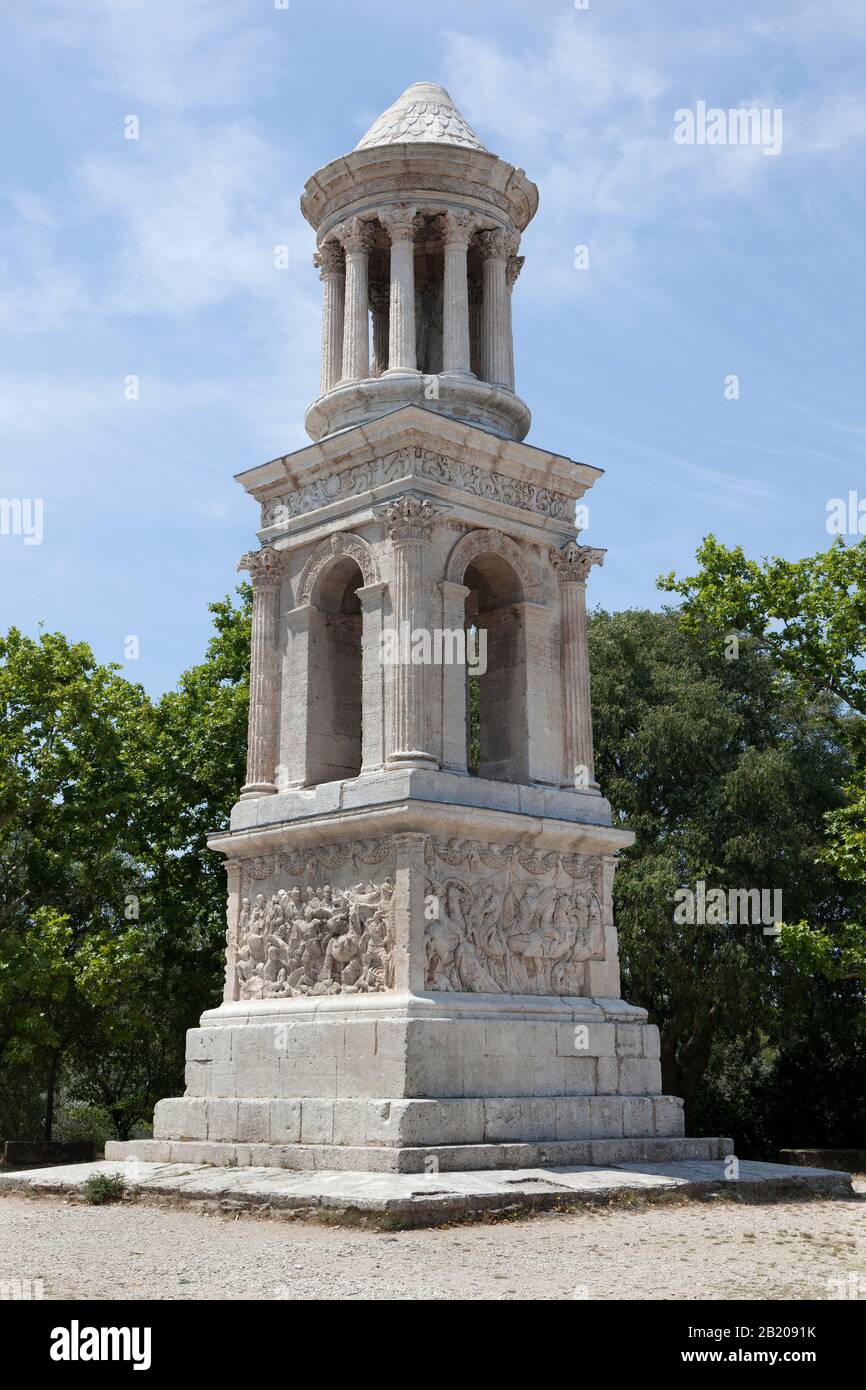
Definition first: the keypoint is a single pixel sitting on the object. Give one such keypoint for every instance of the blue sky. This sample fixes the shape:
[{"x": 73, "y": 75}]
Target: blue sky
[{"x": 155, "y": 258}]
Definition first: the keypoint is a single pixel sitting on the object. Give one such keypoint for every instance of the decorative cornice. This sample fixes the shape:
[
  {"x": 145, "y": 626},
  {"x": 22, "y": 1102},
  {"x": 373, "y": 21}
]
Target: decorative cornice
[
  {"x": 574, "y": 562},
  {"x": 423, "y": 463}
]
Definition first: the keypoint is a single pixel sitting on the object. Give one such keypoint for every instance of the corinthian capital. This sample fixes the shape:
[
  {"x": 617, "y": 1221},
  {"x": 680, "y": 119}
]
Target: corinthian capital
[
  {"x": 574, "y": 562},
  {"x": 264, "y": 566},
  {"x": 498, "y": 245},
  {"x": 409, "y": 518},
  {"x": 399, "y": 221},
  {"x": 513, "y": 268},
  {"x": 455, "y": 228},
  {"x": 355, "y": 236},
  {"x": 329, "y": 259}
]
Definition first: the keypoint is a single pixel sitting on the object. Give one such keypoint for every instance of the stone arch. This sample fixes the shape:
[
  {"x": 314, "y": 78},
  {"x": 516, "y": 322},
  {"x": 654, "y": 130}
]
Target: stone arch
[
  {"x": 342, "y": 544},
  {"x": 493, "y": 573},
  {"x": 476, "y": 543}
]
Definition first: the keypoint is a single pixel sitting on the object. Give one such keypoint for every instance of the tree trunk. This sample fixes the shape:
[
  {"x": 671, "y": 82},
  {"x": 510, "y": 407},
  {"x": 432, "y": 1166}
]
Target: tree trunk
[
  {"x": 53, "y": 1069},
  {"x": 685, "y": 1055}
]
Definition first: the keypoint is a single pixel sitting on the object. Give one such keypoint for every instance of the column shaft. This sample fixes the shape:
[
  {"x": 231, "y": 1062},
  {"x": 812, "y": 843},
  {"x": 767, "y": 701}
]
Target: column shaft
[
  {"x": 399, "y": 222},
  {"x": 456, "y": 229},
  {"x": 455, "y": 730},
  {"x": 410, "y": 521},
  {"x": 496, "y": 247},
  {"x": 357, "y": 239},
  {"x": 263, "y": 566},
  {"x": 580, "y": 763},
  {"x": 332, "y": 272},
  {"x": 573, "y": 564}
]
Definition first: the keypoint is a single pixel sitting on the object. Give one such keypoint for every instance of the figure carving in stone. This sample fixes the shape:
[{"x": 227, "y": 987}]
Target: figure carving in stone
[
  {"x": 525, "y": 932},
  {"x": 316, "y": 941}
]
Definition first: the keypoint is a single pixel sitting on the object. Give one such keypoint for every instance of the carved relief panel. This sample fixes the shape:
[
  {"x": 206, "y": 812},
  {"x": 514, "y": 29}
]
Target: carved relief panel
[
  {"x": 315, "y": 922},
  {"x": 509, "y": 920}
]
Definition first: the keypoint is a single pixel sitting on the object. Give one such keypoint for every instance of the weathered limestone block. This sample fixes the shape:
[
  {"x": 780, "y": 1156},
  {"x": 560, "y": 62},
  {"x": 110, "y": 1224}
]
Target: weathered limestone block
[
  {"x": 180, "y": 1119},
  {"x": 639, "y": 1077}
]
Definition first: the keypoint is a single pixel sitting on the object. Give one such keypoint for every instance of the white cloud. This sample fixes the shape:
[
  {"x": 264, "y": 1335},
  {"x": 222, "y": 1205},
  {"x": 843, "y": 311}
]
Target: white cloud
[
  {"x": 169, "y": 54},
  {"x": 200, "y": 216},
  {"x": 594, "y": 124}
]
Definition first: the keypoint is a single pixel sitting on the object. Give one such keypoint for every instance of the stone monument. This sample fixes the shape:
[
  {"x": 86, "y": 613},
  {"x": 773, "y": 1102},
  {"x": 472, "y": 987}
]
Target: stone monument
[{"x": 421, "y": 963}]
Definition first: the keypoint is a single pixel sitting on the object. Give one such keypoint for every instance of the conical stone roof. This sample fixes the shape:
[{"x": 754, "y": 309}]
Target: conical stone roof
[{"x": 424, "y": 114}]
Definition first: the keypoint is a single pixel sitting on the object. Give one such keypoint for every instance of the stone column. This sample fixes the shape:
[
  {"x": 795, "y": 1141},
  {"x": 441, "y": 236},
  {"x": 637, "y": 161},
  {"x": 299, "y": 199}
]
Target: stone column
[
  {"x": 379, "y": 307},
  {"x": 455, "y": 229},
  {"x": 332, "y": 272},
  {"x": 399, "y": 223},
  {"x": 357, "y": 240},
  {"x": 264, "y": 568},
  {"x": 496, "y": 248},
  {"x": 455, "y": 732},
  {"x": 573, "y": 564},
  {"x": 476, "y": 301},
  {"x": 512, "y": 270},
  {"x": 410, "y": 521},
  {"x": 371, "y": 597}
]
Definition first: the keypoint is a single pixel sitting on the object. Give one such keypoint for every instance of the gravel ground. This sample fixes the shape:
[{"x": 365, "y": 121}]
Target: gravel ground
[{"x": 690, "y": 1250}]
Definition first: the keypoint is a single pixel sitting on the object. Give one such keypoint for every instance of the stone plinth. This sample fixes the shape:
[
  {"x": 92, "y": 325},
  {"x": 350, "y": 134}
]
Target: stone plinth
[{"x": 402, "y": 994}]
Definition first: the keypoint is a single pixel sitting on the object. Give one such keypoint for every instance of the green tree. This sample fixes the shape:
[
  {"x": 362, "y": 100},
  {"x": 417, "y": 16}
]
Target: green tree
[
  {"x": 725, "y": 773},
  {"x": 193, "y": 770},
  {"x": 72, "y": 739},
  {"x": 112, "y": 909},
  {"x": 808, "y": 615}
]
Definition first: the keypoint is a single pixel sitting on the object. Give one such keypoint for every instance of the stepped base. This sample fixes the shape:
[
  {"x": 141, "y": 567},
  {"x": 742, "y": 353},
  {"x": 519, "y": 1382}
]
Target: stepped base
[
  {"x": 434, "y": 1158},
  {"x": 409, "y": 1084}
]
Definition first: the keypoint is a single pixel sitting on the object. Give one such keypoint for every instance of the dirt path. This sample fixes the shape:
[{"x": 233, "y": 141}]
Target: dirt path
[{"x": 709, "y": 1250}]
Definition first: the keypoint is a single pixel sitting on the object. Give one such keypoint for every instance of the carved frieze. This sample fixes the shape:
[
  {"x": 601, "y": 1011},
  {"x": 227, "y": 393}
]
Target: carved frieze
[
  {"x": 511, "y": 920},
  {"x": 311, "y": 936},
  {"x": 421, "y": 463}
]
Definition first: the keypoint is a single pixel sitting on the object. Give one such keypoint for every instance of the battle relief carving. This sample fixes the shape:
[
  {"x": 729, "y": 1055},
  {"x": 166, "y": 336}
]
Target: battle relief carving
[
  {"x": 313, "y": 938},
  {"x": 499, "y": 919},
  {"x": 508, "y": 920},
  {"x": 422, "y": 463}
]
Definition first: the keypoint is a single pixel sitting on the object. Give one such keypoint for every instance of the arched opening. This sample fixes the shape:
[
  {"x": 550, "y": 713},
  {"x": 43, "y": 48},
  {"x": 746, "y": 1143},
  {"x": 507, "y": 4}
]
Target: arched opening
[
  {"x": 334, "y": 720},
  {"x": 497, "y": 730}
]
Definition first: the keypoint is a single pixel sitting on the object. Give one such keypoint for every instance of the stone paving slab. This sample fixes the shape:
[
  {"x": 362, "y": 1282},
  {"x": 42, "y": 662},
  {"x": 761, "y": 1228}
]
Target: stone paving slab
[{"x": 427, "y": 1198}]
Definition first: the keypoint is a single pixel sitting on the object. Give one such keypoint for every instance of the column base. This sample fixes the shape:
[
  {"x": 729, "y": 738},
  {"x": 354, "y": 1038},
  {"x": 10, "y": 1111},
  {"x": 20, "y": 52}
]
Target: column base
[
  {"x": 253, "y": 789},
  {"x": 412, "y": 758}
]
